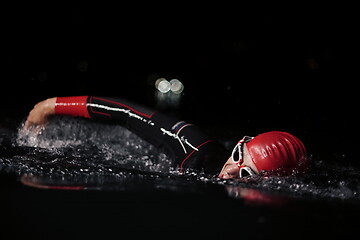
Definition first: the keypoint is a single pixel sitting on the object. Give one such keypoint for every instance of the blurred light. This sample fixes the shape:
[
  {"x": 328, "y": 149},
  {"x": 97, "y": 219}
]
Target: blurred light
[
  {"x": 168, "y": 94},
  {"x": 158, "y": 81},
  {"x": 163, "y": 85},
  {"x": 176, "y": 86}
]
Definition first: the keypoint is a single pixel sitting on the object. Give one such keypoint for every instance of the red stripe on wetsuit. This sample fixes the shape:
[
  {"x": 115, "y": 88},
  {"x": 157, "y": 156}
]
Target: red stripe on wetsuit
[{"x": 72, "y": 106}]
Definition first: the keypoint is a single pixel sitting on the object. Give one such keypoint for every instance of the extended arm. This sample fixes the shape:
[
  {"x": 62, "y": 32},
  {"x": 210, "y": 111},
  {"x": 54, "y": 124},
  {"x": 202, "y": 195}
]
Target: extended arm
[
  {"x": 183, "y": 142},
  {"x": 42, "y": 111},
  {"x": 116, "y": 109}
]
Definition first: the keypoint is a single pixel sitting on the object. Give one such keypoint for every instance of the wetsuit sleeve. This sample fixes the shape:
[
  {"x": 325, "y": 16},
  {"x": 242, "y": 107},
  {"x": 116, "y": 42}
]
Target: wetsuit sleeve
[
  {"x": 183, "y": 142},
  {"x": 72, "y": 106},
  {"x": 115, "y": 109},
  {"x": 137, "y": 118}
]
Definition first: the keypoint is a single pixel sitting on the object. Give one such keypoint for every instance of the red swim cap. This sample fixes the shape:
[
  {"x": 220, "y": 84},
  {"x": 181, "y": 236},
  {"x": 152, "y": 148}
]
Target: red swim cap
[{"x": 277, "y": 151}]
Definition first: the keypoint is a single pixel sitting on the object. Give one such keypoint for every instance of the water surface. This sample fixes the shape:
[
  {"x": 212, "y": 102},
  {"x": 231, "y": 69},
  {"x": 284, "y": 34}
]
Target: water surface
[{"x": 98, "y": 156}]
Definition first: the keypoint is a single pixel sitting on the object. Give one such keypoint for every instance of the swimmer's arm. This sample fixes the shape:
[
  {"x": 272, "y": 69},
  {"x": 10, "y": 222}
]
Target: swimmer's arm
[
  {"x": 88, "y": 107},
  {"x": 42, "y": 111}
]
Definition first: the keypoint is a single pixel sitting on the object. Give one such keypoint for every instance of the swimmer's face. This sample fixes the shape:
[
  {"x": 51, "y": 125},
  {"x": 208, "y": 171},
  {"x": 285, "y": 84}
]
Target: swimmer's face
[{"x": 231, "y": 169}]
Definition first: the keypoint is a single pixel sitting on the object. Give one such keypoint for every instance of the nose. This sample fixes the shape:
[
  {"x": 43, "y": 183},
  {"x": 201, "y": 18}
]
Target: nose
[{"x": 230, "y": 171}]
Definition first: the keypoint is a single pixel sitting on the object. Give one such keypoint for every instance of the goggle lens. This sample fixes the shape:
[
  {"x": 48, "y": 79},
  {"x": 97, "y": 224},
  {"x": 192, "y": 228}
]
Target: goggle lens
[
  {"x": 246, "y": 172},
  {"x": 238, "y": 157},
  {"x": 237, "y": 153}
]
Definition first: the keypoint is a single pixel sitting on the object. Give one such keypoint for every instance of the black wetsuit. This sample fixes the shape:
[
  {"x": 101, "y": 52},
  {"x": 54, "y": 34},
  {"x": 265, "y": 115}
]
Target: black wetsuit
[{"x": 185, "y": 143}]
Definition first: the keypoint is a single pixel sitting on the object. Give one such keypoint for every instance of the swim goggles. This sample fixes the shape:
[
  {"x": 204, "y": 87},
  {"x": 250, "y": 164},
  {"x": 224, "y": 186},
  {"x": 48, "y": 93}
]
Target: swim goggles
[{"x": 238, "y": 157}]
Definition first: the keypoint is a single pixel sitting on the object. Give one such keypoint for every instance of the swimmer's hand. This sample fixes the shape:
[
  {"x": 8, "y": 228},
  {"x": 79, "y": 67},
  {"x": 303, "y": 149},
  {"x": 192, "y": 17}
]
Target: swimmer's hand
[{"x": 40, "y": 114}]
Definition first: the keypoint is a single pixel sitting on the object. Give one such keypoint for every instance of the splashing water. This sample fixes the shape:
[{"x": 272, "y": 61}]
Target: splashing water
[
  {"x": 78, "y": 142},
  {"x": 108, "y": 156}
]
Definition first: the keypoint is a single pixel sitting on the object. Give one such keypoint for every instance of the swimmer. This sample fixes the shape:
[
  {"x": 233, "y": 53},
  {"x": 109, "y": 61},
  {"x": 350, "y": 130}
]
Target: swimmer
[{"x": 272, "y": 152}]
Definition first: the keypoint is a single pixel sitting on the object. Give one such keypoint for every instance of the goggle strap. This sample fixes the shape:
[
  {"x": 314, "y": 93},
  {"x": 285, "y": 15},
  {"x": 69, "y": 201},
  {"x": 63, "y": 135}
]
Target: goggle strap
[{"x": 238, "y": 147}]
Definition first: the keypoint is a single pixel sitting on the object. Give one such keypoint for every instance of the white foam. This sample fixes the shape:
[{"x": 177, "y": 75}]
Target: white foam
[{"x": 86, "y": 139}]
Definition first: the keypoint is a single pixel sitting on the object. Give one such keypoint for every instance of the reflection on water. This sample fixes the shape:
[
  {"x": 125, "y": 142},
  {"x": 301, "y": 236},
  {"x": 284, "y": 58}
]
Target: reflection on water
[{"x": 76, "y": 154}]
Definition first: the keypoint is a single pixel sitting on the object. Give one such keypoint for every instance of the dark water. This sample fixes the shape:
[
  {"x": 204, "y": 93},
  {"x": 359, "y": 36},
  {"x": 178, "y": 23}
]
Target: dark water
[{"x": 128, "y": 184}]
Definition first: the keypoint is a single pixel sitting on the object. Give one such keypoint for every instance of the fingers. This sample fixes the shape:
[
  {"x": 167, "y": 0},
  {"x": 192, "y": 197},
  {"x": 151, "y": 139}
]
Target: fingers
[
  {"x": 27, "y": 124},
  {"x": 39, "y": 115},
  {"x": 33, "y": 128},
  {"x": 34, "y": 125},
  {"x": 33, "y": 120}
]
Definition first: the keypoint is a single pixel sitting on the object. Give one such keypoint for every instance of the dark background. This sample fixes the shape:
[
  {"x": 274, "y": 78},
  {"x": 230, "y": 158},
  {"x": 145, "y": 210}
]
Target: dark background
[{"x": 246, "y": 69}]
